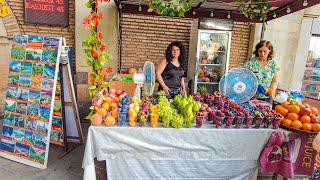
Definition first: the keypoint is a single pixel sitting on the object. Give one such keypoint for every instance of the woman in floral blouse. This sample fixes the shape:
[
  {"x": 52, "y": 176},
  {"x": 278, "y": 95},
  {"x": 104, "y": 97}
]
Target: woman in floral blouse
[{"x": 266, "y": 69}]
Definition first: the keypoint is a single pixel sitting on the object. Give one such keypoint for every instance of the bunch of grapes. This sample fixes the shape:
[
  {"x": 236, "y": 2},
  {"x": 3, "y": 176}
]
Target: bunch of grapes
[
  {"x": 168, "y": 113},
  {"x": 123, "y": 110}
]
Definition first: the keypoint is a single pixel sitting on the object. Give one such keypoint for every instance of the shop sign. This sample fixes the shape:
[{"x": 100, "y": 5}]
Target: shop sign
[
  {"x": 4, "y": 9},
  {"x": 49, "y": 12}
]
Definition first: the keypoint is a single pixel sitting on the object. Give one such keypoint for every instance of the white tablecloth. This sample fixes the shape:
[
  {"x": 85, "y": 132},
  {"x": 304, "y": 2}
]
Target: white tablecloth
[{"x": 167, "y": 153}]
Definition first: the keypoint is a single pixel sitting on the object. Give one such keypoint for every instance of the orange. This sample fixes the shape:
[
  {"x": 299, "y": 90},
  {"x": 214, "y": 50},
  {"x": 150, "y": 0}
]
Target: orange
[
  {"x": 306, "y": 126},
  {"x": 305, "y": 119},
  {"x": 313, "y": 118},
  {"x": 285, "y": 104},
  {"x": 315, "y": 127},
  {"x": 297, "y": 124},
  {"x": 314, "y": 110},
  {"x": 283, "y": 111},
  {"x": 278, "y": 107},
  {"x": 292, "y": 116},
  {"x": 287, "y": 122},
  {"x": 294, "y": 109}
]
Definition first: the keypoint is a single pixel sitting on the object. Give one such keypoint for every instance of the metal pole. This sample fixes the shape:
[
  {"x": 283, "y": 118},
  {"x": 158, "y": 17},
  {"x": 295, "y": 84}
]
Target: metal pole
[{"x": 263, "y": 30}]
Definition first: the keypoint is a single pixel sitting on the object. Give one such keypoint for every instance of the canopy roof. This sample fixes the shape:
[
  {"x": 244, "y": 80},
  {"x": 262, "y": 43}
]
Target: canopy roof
[{"x": 221, "y": 8}]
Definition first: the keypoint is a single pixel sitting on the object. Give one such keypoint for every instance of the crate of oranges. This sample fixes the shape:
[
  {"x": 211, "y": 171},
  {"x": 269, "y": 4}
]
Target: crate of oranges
[{"x": 299, "y": 116}]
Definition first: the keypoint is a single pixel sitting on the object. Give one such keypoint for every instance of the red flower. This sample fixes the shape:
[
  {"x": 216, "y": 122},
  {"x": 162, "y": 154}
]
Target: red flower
[
  {"x": 100, "y": 35},
  {"x": 102, "y": 47},
  {"x": 109, "y": 70},
  {"x": 94, "y": 52}
]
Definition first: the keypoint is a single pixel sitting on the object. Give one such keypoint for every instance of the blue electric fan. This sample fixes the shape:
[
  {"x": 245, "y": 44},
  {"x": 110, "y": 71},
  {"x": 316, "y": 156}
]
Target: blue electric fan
[{"x": 239, "y": 85}]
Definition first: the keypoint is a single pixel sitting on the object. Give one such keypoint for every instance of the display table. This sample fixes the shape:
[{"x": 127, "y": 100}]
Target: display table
[{"x": 167, "y": 153}]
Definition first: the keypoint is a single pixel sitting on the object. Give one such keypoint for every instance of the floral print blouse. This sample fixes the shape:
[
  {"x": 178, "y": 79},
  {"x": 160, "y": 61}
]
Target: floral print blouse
[{"x": 264, "y": 74}]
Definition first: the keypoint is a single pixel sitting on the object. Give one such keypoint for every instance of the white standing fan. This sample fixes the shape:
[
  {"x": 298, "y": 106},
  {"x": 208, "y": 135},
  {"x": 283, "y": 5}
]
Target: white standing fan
[{"x": 145, "y": 79}]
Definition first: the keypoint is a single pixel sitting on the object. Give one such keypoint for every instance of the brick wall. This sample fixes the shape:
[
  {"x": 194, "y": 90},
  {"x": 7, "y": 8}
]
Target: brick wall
[
  {"x": 146, "y": 38},
  {"x": 239, "y": 44}
]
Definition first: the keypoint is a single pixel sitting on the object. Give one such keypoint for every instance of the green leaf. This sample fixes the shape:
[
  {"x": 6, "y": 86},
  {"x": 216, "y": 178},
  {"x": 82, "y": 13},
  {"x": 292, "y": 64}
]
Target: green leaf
[
  {"x": 104, "y": 56},
  {"x": 105, "y": 84},
  {"x": 97, "y": 65},
  {"x": 90, "y": 114}
]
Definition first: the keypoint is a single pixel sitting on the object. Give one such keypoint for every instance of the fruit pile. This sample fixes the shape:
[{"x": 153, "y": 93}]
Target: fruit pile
[
  {"x": 104, "y": 107},
  {"x": 187, "y": 106},
  {"x": 154, "y": 115},
  {"x": 227, "y": 113},
  {"x": 299, "y": 116},
  {"x": 134, "y": 109},
  {"x": 144, "y": 113}
]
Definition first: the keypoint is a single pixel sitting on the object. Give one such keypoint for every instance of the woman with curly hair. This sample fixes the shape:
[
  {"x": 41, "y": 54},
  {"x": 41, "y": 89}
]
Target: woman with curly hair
[{"x": 170, "y": 70}]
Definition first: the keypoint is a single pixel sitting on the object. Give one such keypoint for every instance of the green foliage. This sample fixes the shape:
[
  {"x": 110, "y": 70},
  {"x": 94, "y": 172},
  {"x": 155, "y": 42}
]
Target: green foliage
[
  {"x": 254, "y": 8},
  {"x": 172, "y": 8}
]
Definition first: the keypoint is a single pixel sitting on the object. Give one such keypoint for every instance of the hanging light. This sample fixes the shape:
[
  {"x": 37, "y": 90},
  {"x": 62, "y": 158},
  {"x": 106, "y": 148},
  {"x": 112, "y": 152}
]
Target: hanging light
[
  {"x": 229, "y": 15},
  {"x": 211, "y": 14},
  {"x": 288, "y": 10},
  {"x": 274, "y": 15},
  {"x": 305, "y": 3},
  {"x": 193, "y": 12},
  {"x": 120, "y": 6},
  {"x": 140, "y": 8}
]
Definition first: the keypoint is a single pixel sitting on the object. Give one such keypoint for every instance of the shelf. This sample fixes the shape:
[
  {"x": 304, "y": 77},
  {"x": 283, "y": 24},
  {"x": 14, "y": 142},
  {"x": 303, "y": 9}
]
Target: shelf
[
  {"x": 311, "y": 82},
  {"x": 207, "y": 83},
  {"x": 210, "y": 64},
  {"x": 212, "y": 51}
]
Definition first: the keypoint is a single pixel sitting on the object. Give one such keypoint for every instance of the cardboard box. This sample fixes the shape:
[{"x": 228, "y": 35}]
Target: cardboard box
[{"x": 128, "y": 87}]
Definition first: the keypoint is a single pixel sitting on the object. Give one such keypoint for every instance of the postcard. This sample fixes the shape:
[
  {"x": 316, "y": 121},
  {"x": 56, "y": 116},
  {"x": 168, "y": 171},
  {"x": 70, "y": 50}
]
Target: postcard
[
  {"x": 42, "y": 126},
  {"x": 34, "y": 96},
  {"x": 49, "y": 70},
  {"x": 55, "y": 135},
  {"x": 45, "y": 112},
  {"x": 21, "y": 108},
  {"x": 37, "y": 68},
  {"x": 18, "y": 53},
  {"x": 20, "y": 121},
  {"x": 36, "y": 82},
  {"x": 47, "y": 84},
  {"x": 18, "y": 135},
  {"x": 22, "y": 94},
  {"x": 51, "y": 42},
  {"x": 7, "y": 131},
  {"x": 26, "y": 67},
  {"x": 37, "y": 154},
  {"x": 35, "y": 41},
  {"x": 49, "y": 56},
  {"x": 45, "y": 98},
  {"x": 8, "y": 119},
  {"x": 31, "y": 124},
  {"x": 22, "y": 150},
  {"x": 7, "y": 145},
  {"x": 13, "y": 79},
  {"x": 39, "y": 140},
  {"x": 24, "y": 80},
  {"x": 21, "y": 40},
  {"x": 12, "y": 92},
  {"x": 56, "y": 121},
  {"x": 33, "y": 110},
  {"x": 28, "y": 137},
  {"x": 10, "y": 105},
  {"x": 34, "y": 54},
  {"x": 15, "y": 66}
]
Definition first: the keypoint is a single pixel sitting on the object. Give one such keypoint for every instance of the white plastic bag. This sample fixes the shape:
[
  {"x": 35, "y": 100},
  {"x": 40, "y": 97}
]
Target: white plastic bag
[{"x": 282, "y": 97}]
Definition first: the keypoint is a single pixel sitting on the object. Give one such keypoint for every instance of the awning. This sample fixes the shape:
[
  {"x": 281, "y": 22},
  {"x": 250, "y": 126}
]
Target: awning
[{"x": 222, "y": 9}]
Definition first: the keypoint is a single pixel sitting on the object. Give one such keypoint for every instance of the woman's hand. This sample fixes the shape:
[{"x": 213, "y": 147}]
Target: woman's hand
[
  {"x": 166, "y": 89},
  {"x": 183, "y": 92}
]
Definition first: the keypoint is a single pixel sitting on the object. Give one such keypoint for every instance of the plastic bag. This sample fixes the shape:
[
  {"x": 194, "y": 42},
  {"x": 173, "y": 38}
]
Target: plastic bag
[{"x": 281, "y": 98}]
